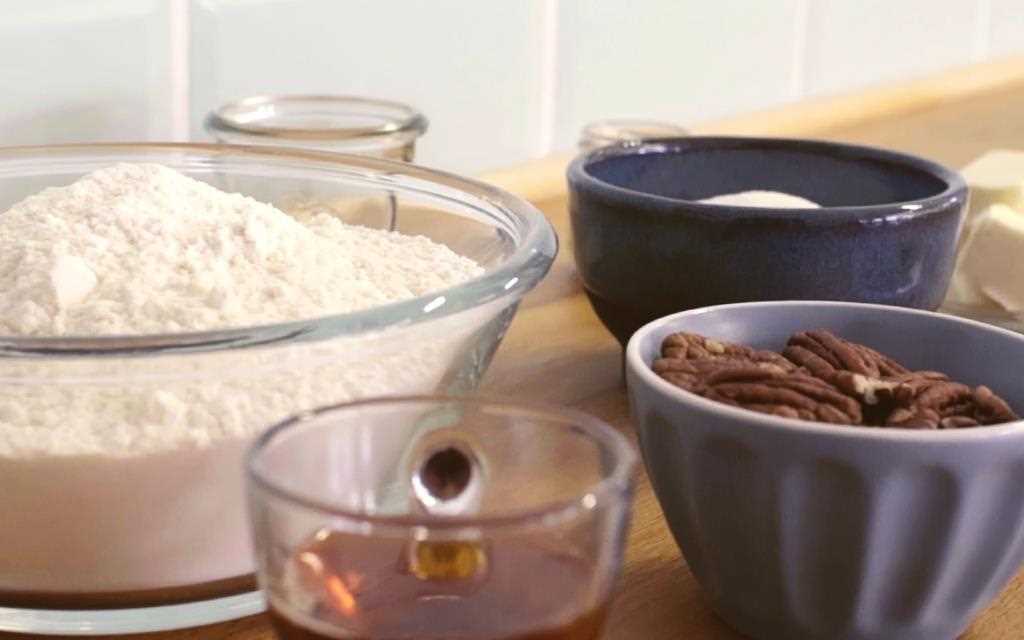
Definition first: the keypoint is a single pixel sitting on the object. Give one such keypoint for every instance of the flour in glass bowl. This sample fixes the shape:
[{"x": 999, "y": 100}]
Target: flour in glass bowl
[{"x": 143, "y": 249}]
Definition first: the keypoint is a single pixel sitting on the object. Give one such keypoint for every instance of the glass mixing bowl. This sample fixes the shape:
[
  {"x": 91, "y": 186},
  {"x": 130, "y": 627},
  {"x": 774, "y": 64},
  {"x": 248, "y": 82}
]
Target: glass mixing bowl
[{"x": 145, "y": 535}]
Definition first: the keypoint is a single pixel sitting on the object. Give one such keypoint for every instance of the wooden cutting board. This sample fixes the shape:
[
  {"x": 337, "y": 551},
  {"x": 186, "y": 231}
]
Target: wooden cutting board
[{"x": 556, "y": 350}]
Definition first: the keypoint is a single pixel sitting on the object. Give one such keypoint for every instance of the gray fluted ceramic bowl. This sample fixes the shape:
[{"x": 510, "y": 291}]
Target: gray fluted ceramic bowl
[{"x": 805, "y": 530}]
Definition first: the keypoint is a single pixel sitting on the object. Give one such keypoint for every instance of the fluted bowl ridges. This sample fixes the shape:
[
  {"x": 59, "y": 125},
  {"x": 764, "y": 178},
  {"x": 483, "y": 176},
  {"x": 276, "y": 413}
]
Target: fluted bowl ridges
[{"x": 805, "y": 530}]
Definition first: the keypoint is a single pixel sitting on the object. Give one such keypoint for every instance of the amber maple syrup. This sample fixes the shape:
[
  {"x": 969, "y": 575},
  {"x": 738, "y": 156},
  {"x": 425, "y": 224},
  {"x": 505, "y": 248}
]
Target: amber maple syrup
[{"x": 342, "y": 586}]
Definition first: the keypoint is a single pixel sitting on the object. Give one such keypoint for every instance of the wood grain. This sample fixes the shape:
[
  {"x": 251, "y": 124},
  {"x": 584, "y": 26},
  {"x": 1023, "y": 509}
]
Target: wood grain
[
  {"x": 887, "y": 102},
  {"x": 952, "y": 117},
  {"x": 557, "y": 351}
]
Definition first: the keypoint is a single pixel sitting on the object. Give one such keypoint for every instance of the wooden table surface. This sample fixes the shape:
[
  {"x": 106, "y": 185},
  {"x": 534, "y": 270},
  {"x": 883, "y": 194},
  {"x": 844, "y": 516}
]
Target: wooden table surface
[{"x": 557, "y": 351}]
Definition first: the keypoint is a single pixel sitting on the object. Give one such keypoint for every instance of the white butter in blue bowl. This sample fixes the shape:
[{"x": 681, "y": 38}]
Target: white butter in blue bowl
[{"x": 762, "y": 199}]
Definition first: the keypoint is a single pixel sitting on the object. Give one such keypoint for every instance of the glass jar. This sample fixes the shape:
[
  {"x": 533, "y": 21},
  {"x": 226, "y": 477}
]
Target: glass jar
[
  {"x": 344, "y": 124},
  {"x": 607, "y": 132}
]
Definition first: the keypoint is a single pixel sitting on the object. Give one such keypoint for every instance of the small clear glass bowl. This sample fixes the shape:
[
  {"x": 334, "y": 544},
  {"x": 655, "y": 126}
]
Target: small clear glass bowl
[
  {"x": 344, "y": 124},
  {"x": 540, "y": 523},
  {"x": 150, "y": 537}
]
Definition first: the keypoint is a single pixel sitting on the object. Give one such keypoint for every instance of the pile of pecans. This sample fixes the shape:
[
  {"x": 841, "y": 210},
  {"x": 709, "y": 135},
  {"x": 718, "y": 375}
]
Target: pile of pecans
[{"x": 823, "y": 378}]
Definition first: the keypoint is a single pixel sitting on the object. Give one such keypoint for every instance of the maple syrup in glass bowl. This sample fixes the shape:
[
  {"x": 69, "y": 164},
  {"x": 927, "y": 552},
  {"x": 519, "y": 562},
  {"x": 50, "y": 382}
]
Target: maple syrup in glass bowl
[{"x": 348, "y": 548}]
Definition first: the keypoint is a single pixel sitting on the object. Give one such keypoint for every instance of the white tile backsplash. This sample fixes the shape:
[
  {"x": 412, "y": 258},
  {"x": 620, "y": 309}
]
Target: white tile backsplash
[
  {"x": 84, "y": 71},
  {"x": 501, "y": 81},
  {"x": 857, "y": 43},
  {"x": 1006, "y": 26},
  {"x": 675, "y": 60},
  {"x": 472, "y": 67}
]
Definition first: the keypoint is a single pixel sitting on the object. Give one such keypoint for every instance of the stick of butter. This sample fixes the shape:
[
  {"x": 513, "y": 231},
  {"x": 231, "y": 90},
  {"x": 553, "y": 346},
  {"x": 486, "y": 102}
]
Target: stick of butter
[
  {"x": 995, "y": 178},
  {"x": 986, "y": 268}
]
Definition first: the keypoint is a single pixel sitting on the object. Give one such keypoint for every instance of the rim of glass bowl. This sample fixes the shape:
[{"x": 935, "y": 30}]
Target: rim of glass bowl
[
  {"x": 549, "y": 513},
  {"x": 248, "y": 116},
  {"x": 536, "y": 245}
]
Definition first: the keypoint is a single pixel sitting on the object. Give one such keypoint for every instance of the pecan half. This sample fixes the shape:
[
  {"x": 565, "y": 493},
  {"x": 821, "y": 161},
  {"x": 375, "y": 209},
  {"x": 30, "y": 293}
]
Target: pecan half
[
  {"x": 990, "y": 408},
  {"x": 934, "y": 401},
  {"x": 886, "y": 365},
  {"x": 693, "y": 375},
  {"x": 824, "y": 354},
  {"x": 791, "y": 394},
  {"x": 690, "y": 346}
]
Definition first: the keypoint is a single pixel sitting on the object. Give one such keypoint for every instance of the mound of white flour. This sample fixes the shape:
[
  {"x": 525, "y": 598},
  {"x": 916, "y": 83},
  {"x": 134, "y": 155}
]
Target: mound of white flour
[
  {"x": 141, "y": 248},
  {"x": 137, "y": 249}
]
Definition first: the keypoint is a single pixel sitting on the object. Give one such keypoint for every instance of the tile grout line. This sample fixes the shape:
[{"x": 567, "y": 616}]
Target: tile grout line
[
  {"x": 179, "y": 62},
  {"x": 548, "y": 26},
  {"x": 982, "y": 31},
  {"x": 801, "y": 24}
]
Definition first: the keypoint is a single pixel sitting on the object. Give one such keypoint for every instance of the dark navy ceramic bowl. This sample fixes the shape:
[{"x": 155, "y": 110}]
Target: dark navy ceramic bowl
[{"x": 886, "y": 232}]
